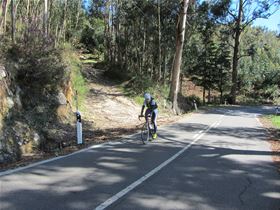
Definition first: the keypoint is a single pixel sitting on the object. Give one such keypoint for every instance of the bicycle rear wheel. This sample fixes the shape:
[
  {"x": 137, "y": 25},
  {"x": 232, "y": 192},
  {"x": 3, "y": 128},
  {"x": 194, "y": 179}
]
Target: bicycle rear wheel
[{"x": 145, "y": 134}]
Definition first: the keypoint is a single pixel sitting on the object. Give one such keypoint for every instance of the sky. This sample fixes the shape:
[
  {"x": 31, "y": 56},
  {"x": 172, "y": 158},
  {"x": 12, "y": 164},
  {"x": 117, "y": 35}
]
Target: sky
[{"x": 271, "y": 23}]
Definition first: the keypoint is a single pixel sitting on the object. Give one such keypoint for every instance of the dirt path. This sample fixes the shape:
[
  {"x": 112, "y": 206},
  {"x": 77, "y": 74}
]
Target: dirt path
[
  {"x": 105, "y": 105},
  {"x": 108, "y": 112}
]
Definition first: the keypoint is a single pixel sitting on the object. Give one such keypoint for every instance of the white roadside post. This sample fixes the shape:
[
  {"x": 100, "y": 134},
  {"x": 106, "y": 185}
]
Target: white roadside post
[
  {"x": 195, "y": 105},
  {"x": 79, "y": 123},
  {"x": 79, "y": 128}
]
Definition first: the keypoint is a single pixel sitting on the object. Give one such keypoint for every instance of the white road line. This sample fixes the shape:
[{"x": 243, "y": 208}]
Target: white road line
[
  {"x": 196, "y": 135},
  {"x": 120, "y": 194},
  {"x": 74, "y": 153},
  {"x": 11, "y": 171},
  {"x": 261, "y": 125},
  {"x": 220, "y": 121},
  {"x": 256, "y": 117},
  {"x": 50, "y": 160},
  {"x": 120, "y": 141},
  {"x": 217, "y": 124}
]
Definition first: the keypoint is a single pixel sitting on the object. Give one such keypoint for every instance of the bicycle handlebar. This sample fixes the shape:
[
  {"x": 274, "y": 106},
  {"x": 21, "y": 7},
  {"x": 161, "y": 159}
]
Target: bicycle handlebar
[{"x": 139, "y": 116}]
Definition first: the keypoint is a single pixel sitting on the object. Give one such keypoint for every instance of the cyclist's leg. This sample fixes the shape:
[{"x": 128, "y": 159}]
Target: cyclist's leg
[
  {"x": 147, "y": 113},
  {"x": 154, "y": 119}
]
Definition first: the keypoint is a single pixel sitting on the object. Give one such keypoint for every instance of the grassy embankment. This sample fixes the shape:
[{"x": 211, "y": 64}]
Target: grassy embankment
[
  {"x": 272, "y": 123},
  {"x": 78, "y": 81},
  {"x": 275, "y": 120}
]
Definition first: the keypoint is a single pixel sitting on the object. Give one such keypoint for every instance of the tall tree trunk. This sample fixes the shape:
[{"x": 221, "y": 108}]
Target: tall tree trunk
[
  {"x": 119, "y": 32},
  {"x": 203, "y": 96},
  {"x": 13, "y": 20},
  {"x": 1, "y": 12},
  {"x": 78, "y": 14},
  {"x": 209, "y": 96},
  {"x": 1, "y": 15},
  {"x": 110, "y": 32},
  {"x": 165, "y": 66},
  {"x": 139, "y": 60},
  {"x": 63, "y": 31},
  {"x": 106, "y": 32},
  {"x": 126, "y": 43},
  {"x": 221, "y": 96},
  {"x": 50, "y": 17},
  {"x": 5, "y": 5},
  {"x": 221, "y": 87},
  {"x": 45, "y": 24},
  {"x": 178, "y": 56},
  {"x": 159, "y": 43},
  {"x": 27, "y": 13},
  {"x": 144, "y": 46},
  {"x": 235, "y": 58},
  {"x": 152, "y": 69},
  {"x": 113, "y": 34},
  {"x": 56, "y": 35},
  {"x": 181, "y": 82}
]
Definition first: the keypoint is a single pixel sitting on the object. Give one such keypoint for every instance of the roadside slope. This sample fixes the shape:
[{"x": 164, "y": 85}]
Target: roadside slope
[{"x": 107, "y": 112}]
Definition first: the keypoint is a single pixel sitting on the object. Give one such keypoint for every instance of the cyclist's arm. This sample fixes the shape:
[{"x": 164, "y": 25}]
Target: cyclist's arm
[{"x": 142, "y": 110}]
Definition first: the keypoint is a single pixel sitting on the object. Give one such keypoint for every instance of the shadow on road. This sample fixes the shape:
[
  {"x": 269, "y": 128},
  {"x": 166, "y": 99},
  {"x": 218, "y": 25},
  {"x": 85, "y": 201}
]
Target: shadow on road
[{"x": 203, "y": 176}]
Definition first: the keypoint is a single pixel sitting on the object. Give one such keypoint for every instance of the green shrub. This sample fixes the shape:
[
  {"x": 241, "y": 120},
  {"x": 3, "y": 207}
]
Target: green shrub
[
  {"x": 37, "y": 68},
  {"x": 227, "y": 98},
  {"x": 78, "y": 81},
  {"x": 190, "y": 100},
  {"x": 276, "y": 100},
  {"x": 139, "y": 99},
  {"x": 92, "y": 36},
  {"x": 247, "y": 100},
  {"x": 186, "y": 103},
  {"x": 115, "y": 72},
  {"x": 276, "y": 121},
  {"x": 139, "y": 84},
  {"x": 5, "y": 45}
]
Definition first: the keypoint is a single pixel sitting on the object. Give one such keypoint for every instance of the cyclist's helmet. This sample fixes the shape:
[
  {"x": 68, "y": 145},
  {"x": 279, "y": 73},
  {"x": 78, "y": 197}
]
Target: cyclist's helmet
[{"x": 147, "y": 96}]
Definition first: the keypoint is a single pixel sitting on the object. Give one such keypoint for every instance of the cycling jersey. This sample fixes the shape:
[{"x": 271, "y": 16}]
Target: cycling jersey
[{"x": 152, "y": 105}]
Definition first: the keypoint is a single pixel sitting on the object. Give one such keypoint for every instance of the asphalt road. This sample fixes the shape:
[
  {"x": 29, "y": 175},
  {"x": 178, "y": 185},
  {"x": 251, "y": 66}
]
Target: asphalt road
[{"x": 214, "y": 160}]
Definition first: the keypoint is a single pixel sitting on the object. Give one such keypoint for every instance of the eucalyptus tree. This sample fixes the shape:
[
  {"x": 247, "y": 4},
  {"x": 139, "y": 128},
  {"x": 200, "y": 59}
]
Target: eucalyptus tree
[
  {"x": 223, "y": 65},
  {"x": 238, "y": 15},
  {"x": 260, "y": 72},
  {"x": 176, "y": 68},
  {"x": 13, "y": 20},
  {"x": 139, "y": 35},
  {"x": 45, "y": 24},
  {"x": 3, "y": 18}
]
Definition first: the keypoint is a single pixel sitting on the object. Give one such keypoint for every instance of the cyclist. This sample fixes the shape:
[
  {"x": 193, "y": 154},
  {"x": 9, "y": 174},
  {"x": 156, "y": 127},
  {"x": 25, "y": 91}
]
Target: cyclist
[{"x": 152, "y": 110}]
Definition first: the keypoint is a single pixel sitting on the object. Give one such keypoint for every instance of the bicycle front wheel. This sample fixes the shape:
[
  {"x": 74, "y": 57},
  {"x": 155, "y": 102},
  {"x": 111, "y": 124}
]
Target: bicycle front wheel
[{"x": 145, "y": 134}]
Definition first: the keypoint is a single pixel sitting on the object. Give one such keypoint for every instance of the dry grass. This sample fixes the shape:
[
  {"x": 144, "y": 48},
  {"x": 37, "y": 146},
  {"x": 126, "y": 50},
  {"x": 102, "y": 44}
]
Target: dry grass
[{"x": 274, "y": 139}]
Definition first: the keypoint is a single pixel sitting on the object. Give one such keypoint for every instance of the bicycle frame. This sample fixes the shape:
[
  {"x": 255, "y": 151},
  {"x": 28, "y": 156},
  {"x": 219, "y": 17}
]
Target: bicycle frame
[{"x": 147, "y": 130}]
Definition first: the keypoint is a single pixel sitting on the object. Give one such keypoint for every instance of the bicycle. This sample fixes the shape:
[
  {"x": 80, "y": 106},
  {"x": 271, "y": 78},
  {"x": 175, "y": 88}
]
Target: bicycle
[{"x": 147, "y": 129}]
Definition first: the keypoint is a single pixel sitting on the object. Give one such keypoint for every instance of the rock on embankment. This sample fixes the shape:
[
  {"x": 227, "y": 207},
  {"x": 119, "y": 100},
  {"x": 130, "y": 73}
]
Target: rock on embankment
[{"x": 25, "y": 128}]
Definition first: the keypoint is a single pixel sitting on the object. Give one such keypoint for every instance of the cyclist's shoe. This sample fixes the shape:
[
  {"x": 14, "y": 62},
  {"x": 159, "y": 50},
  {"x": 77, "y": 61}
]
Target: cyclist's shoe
[{"x": 154, "y": 136}]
